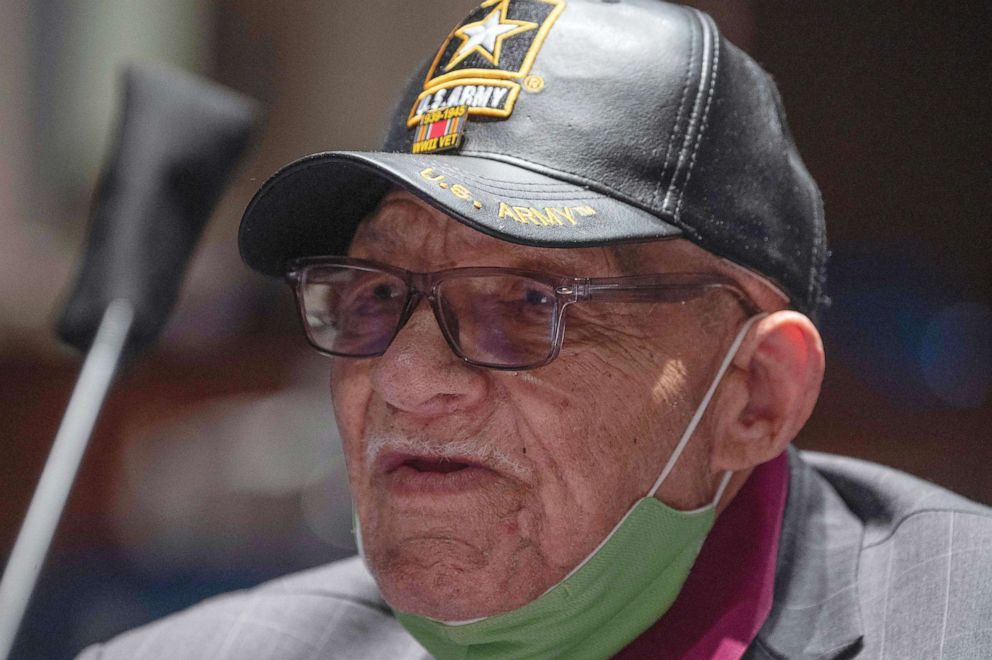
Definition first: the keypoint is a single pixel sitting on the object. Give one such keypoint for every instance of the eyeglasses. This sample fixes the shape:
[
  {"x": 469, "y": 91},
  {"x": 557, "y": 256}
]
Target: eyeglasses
[{"x": 499, "y": 318}]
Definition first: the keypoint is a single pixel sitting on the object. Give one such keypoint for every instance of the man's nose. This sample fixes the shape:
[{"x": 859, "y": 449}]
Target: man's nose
[{"x": 419, "y": 373}]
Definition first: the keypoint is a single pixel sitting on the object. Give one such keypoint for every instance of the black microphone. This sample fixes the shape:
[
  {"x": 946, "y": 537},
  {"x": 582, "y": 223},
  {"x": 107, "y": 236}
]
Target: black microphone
[{"x": 178, "y": 142}]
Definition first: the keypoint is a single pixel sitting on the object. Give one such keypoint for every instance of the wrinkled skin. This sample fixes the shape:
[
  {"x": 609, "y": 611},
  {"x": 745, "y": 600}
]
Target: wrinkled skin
[{"x": 589, "y": 433}]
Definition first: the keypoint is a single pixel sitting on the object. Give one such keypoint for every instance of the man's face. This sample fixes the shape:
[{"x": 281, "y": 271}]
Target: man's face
[{"x": 476, "y": 489}]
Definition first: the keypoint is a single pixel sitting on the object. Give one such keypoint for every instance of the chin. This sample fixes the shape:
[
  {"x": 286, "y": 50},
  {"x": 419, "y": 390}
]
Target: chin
[
  {"x": 446, "y": 589},
  {"x": 438, "y": 592}
]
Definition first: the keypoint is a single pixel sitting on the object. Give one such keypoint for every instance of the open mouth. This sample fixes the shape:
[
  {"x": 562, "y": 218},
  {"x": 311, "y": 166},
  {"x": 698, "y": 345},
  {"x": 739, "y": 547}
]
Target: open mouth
[
  {"x": 410, "y": 474},
  {"x": 442, "y": 465},
  {"x": 390, "y": 462}
]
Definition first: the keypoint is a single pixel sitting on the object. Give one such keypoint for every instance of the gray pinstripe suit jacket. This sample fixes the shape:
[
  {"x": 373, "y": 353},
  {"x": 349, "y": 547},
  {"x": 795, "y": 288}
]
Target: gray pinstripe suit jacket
[{"x": 872, "y": 563}]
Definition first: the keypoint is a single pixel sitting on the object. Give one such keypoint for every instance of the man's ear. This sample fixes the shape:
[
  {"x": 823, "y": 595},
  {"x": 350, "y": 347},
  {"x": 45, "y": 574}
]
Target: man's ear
[{"x": 769, "y": 392}]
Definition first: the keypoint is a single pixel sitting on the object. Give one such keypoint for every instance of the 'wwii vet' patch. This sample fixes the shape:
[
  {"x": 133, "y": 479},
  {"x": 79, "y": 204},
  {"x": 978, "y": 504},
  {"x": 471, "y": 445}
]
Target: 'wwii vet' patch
[
  {"x": 440, "y": 130},
  {"x": 480, "y": 64}
]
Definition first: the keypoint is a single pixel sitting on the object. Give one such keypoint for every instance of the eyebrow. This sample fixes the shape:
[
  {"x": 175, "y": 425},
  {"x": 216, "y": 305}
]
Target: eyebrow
[
  {"x": 371, "y": 231},
  {"x": 544, "y": 264}
]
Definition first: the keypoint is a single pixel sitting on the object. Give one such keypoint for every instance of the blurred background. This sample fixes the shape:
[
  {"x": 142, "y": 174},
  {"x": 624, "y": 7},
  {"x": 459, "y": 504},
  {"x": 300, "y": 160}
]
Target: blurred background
[{"x": 216, "y": 464}]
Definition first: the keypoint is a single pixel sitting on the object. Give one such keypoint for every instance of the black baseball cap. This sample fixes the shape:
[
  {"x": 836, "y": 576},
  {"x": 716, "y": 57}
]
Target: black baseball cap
[{"x": 567, "y": 123}]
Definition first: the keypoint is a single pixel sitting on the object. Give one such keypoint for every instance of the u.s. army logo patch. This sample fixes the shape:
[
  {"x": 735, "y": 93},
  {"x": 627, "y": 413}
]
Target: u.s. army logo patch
[{"x": 480, "y": 64}]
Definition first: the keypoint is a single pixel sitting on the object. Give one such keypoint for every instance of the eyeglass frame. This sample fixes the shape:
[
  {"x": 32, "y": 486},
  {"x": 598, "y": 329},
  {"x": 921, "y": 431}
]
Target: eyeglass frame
[{"x": 568, "y": 290}]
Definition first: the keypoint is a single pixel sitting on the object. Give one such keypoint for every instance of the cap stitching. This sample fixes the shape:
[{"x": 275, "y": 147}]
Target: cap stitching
[
  {"x": 525, "y": 197},
  {"x": 819, "y": 254},
  {"x": 537, "y": 186},
  {"x": 692, "y": 129},
  {"x": 519, "y": 190},
  {"x": 678, "y": 116},
  {"x": 706, "y": 114},
  {"x": 549, "y": 187}
]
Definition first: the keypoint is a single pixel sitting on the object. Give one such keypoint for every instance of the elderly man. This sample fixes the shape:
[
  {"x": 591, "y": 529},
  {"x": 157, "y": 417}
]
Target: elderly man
[{"x": 573, "y": 338}]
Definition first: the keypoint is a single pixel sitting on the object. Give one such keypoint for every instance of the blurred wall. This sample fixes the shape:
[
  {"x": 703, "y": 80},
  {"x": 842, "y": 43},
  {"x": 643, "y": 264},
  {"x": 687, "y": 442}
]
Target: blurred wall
[{"x": 216, "y": 463}]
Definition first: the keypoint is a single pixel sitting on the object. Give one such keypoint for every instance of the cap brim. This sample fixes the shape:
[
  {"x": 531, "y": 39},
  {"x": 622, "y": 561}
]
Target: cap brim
[{"x": 313, "y": 205}]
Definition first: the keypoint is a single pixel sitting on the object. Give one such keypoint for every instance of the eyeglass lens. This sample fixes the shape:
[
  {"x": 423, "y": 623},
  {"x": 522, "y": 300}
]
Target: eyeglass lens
[{"x": 495, "y": 319}]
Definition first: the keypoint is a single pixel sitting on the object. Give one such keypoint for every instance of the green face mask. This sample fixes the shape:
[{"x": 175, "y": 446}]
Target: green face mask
[{"x": 623, "y": 587}]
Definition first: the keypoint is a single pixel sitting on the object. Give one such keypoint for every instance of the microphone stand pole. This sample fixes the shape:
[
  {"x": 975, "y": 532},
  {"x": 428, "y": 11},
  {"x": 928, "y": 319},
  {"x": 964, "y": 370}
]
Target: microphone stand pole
[{"x": 56, "y": 481}]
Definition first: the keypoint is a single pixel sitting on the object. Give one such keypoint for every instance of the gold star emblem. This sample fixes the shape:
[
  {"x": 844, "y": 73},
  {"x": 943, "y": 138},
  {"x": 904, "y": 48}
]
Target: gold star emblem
[{"x": 486, "y": 37}]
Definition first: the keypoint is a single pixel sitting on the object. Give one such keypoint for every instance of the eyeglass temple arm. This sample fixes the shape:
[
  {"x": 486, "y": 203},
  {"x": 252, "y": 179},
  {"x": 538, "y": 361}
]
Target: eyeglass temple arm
[{"x": 650, "y": 289}]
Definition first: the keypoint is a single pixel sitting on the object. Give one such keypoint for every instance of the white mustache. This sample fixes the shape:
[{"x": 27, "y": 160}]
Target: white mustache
[{"x": 484, "y": 453}]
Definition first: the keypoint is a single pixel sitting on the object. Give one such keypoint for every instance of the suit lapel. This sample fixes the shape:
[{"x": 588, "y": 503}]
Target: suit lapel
[{"x": 816, "y": 611}]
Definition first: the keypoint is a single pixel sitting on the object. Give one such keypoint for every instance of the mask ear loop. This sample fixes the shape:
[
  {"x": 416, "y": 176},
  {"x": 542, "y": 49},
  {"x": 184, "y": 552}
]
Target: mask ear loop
[
  {"x": 358, "y": 536},
  {"x": 694, "y": 422}
]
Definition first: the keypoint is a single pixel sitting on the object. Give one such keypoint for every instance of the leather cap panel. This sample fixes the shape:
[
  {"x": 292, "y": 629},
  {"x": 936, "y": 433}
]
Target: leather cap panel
[{"x": 644, "y": 108}]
